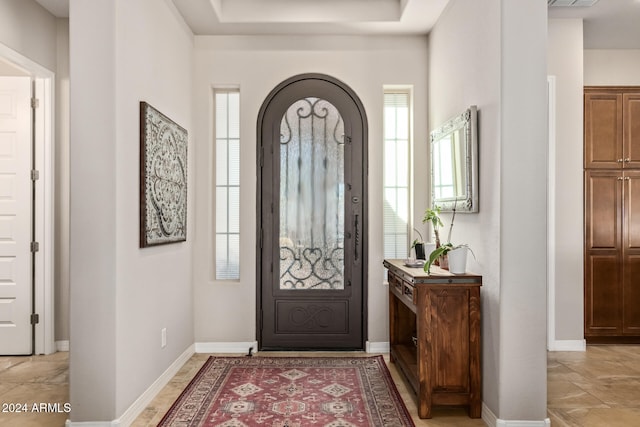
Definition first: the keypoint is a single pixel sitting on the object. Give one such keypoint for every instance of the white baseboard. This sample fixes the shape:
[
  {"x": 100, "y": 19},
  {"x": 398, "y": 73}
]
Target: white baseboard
[
  {"x": 62, "y": 345},
  {"x": 377, "y": 347},
  {"x": 145, "y": 398},
  {"x": 491, "y": 420},
  {"x": 91, "y": 424},
  {"x": 488, "y": 416},
  {"x": 226, "y": 347},
  {"x": 568, "y": 345},
  {"x": 516, "y": 423},
  {"x": 243, "y": 347}
]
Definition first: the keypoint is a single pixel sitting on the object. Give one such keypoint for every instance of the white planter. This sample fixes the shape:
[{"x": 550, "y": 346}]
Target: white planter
[{"x": 458, "y": 260}]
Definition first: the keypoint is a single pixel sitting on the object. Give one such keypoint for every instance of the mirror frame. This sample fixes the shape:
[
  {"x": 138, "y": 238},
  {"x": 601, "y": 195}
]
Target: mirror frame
[{"x": 468, "y": 122}]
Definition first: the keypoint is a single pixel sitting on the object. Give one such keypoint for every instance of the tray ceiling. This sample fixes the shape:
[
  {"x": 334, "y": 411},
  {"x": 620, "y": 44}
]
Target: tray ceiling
[{"x": 608, "y": 24}]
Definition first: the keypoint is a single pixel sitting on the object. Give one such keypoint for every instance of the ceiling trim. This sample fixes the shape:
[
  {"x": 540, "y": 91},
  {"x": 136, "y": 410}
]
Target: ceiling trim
[{"x": 301, "y": 11}]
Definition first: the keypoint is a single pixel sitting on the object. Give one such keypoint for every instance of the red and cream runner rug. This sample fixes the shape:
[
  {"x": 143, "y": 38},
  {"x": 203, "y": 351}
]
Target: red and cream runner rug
[{"x": 290, "y": 392}]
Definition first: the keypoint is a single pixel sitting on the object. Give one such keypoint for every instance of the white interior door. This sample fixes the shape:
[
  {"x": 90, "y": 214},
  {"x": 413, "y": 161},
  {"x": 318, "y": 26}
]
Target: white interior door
[{"x": 15, "y": 216}]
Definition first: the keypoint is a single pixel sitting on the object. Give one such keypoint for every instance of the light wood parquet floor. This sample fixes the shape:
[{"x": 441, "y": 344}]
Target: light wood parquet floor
[{"x": 600, "y": 387}]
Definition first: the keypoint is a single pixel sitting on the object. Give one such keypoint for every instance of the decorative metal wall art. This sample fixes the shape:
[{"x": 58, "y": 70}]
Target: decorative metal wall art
[{"x": 163, "y": 179}]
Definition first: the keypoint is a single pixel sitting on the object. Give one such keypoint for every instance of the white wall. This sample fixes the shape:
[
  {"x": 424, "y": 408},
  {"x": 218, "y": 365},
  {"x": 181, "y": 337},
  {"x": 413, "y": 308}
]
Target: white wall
[
  {"x": 121, "y": 296},
  {"x": 565, "y": 62},
  {"x": 499, "y": 63},
  {"x": 523, "y": 281},
  {"x": 612, "y": 67},
  {"x": 92, "y": 243},
  {"x": 62, "y": 184},
  {"x": 464, "y": 70},
  {"x": 29, "y": 29},
  {"x": 225, "y": 312},
  {"x": 154, "y": 57},
  {"x": 575, "y": 68}
]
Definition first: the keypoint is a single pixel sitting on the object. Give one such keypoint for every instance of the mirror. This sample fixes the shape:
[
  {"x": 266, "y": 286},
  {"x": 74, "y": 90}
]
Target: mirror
[{"x": 454, "y": 163}]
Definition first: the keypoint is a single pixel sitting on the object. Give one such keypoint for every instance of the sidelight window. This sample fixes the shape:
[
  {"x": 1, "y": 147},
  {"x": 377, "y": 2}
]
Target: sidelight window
[
  {"x": 227, "y": 181},
  {"x": 396, "y": 179}
]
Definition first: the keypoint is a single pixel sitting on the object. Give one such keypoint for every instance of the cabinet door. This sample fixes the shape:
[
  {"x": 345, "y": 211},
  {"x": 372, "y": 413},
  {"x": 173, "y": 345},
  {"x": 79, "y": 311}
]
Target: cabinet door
[
  {"x": 450, "y": 338},
  {"x": 631, "y": 254},
  {"x": 631, "y": 150},
  {"x": 603, "y": 223},
  {"x": 602, "y": 130}
]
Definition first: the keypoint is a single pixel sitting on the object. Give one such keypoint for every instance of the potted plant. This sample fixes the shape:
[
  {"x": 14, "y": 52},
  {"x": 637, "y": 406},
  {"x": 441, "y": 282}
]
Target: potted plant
[
  {"x": 448, "y": 251},
  {"x": 456, "y": 254},
  {"x": 418, "y": 246},
  {"x": 433, "y": 216}
]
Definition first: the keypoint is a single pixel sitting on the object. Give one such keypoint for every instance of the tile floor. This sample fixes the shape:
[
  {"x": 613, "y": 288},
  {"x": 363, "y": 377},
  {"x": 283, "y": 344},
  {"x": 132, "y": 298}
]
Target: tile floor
[
  {"x": 600, "y": 387},
  {"x": 29, "y": 380}
]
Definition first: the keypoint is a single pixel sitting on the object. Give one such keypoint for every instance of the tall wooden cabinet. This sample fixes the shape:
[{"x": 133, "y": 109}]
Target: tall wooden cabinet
[
  {"x": 612, "y": 128},
  {"x": 612, "y": 214}
]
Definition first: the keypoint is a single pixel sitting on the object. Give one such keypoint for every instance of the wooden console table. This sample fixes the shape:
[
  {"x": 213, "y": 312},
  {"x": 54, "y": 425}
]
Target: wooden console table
[{"x": 434, "y": 335}]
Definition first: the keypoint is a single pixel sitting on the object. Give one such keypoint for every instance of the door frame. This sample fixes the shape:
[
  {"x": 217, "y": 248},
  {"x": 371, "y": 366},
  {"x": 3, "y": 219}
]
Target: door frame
[
  {"x": 44, "y": 300},
  {"x": 365, "y": 198},
  {"x": 551, "y": 216}
]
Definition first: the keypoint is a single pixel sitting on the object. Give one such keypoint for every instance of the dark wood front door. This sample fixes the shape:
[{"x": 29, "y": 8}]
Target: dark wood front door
[{"x": 312, "y": 217}]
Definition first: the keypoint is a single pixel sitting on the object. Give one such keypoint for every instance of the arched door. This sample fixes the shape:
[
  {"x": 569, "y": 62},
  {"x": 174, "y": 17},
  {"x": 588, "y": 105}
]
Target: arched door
[{"x": 312, "y": 219}]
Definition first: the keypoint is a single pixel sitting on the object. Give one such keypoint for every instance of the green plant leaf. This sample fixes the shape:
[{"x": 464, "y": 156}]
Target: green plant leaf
[
  {"x": 435, "y": 254},
  {"x": 433, "y": 216}
]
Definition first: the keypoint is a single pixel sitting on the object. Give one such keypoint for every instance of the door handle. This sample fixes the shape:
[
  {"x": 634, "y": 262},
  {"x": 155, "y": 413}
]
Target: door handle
[{"x": 357, "y": 237}]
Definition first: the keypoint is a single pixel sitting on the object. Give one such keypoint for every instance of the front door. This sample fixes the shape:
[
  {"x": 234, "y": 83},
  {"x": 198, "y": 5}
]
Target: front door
[{"x": 312, "y": 216}]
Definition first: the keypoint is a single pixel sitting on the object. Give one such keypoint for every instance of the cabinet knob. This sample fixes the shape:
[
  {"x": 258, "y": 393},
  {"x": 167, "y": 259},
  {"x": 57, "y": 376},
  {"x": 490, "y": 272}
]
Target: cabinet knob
[
  {"x": 619, "y": 161},
  {"x": 627, "y": 160}
]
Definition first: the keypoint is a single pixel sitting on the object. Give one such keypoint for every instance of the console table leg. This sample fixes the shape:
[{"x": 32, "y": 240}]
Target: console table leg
[
  {"x": 424, "y": 405},
  {"x": 475, "y": 410}
]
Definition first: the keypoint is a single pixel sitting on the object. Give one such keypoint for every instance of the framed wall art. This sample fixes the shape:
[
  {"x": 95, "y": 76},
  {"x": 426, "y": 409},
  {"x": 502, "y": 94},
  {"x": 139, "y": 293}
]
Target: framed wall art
[{"x": 163, "y": 179}]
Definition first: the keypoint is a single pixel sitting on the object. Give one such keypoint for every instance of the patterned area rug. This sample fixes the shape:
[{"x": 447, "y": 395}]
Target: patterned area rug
[{"x": 290, "y": 392}]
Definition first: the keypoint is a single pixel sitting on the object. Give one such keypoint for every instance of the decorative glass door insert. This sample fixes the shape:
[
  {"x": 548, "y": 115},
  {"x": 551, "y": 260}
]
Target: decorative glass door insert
[{"x": 312, "y": 219}]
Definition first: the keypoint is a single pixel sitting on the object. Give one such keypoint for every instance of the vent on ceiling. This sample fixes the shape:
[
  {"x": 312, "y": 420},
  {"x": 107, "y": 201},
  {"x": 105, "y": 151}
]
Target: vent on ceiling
[{"x": 571, "y": 3}]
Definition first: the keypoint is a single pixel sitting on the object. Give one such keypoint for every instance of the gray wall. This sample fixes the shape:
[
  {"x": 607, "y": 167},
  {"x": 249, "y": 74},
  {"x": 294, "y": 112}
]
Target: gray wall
[
  {"x": 612, "y": 67},
  {"x": 523, "y": 285},
  {"x": 122, "y": 53},
  {"x": 565, "y": 62},
  {"x": 499, "y": 63},
  {"x": 93, "y": 231},
  {"x": 29, "y": 29},
  {"x": 225, "y": 311},
  {"x": 573, "y": 68},
  {"x": 62, "y": 196}
]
